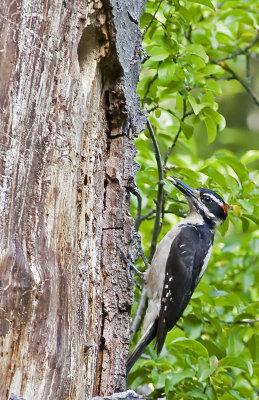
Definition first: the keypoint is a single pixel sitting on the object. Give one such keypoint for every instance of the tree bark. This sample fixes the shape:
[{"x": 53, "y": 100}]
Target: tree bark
[{"x": 69, "y": 112}]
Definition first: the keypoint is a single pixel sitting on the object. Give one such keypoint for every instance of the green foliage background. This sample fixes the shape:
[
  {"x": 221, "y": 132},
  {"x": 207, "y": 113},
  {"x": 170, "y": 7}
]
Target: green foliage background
[{"x": 201, "y": 70}]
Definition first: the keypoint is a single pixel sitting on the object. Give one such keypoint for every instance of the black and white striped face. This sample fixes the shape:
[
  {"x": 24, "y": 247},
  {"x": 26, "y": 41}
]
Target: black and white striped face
[
  {"x": 206, "y": 202},
  {"x": 213, "y": 206}
]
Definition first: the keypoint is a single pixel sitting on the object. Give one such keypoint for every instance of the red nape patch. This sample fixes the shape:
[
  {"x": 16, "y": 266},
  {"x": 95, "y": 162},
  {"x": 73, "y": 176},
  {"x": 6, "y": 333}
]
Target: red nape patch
[{"x": 225, "y": 208}]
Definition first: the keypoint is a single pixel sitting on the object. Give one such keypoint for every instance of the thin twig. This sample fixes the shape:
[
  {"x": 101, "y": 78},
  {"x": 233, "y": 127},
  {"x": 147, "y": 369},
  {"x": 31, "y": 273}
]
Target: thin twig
[
  {"x": 153, "y": 108},
  {"x": 160, "y": 192},
  {"x": 138, "y": 218},
  {"x": 152, "y": 20},
  {"x": 240, "y": 321},
  {"x": 172, "y": 146},
  {"x": 185, "y": 115},
  {"x": 139, "y": 314},
  {"x": 240, "y": 51},
  {"x": 150, "y": 213},
  {"x": 227, "y": 68},
  {"x": 244, "y": 321},
  {"x": 148, "y": 87},
  {"x": 222, "y": 78},
  {"x": 143, "y": 297},
  {"x": 141, "y": 252},
  {"x": 248, "y": 74},
  {"x": 144, "y": 217}
]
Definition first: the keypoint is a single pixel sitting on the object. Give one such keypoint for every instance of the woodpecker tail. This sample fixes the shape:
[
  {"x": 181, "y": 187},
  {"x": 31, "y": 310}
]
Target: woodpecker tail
[{"x": 143, "y": 342}]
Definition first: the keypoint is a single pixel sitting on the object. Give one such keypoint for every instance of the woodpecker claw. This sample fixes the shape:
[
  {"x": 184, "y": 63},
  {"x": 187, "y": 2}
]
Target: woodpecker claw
[
  {"x": 141, "y": 275},
  {"x": 131, "y": 266}
]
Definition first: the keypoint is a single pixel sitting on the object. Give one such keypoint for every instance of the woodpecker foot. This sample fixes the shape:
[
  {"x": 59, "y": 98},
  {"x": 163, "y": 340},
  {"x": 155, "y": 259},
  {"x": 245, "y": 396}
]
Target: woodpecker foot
[
  {"x": 141, "y": 275},
  {"x": 131, "y": 266}
]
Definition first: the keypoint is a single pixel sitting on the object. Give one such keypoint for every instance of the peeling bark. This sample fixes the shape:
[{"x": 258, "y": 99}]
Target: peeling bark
[{"x": 69, "y": 113}]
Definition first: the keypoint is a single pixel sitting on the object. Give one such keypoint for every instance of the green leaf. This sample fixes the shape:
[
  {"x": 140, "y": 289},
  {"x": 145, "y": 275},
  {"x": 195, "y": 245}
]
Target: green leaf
[
  {"x": 198, "y": 50},
  {"x": 187, "y": 129},
  {"x": 192, "y": 326},
  {"x": 145, "y": 19},
  {"x": 190, "y": 346},
  {"x": 174, "y": 334},
  {"x": 247, "y": 205},
  {"x": 253, "y": 345},
  {"x": 233, "y": 161},
  {"x": 195, "y": 106},
  {"x": 211, "y": 127},
  {"x": 218, "y": 118},
  {"x": 250, "y": 156},
  {"x": 177, "y": 377},
  {"x": 214, "y": 86},
  {"x": 236, "y": 362},
  {"x": 159, "y": 53},
  {"x": 213, "y": 69},
  {"x": 207, "y": 3},
  {"x": 158, "y": 379},
  {"x": 205, "y": 368},
  {"x": 166, "y": 71},
  {"x": 183, "y": 40},
  {"x": 213, "y": 172}
]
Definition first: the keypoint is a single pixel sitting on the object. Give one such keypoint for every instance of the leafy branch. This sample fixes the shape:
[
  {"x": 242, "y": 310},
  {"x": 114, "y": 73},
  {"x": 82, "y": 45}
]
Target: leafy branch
[
  {"x": 152, "y": 20},
  {"x": 240, "y": 51},
  {"x": 221, "y": 62},
  {"x": 185, "y": 115},
  {"x": 160, "y": 191},
  {"x": 234, "y": 75}
]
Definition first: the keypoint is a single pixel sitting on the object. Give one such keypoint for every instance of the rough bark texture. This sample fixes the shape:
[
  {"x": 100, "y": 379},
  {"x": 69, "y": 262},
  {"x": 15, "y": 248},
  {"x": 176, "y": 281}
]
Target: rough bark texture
[
  {"x": 128, "y": 395},
  {"x": 68, "y": 116}
]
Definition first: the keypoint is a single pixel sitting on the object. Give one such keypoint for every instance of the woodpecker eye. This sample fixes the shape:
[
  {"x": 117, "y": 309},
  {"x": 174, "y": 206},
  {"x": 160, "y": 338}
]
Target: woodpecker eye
[{"x": 207, "y": 199}]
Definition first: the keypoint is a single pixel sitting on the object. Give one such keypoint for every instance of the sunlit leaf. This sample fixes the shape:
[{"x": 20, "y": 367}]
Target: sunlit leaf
[
  {"x": 207, "y": 3},
  {"x": 166, "y": 71},
  {"x": 159, "y": 53}
]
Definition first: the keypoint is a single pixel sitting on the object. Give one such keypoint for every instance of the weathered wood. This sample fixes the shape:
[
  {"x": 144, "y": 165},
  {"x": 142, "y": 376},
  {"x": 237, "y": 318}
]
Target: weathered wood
[
  {"x": 68, "y": 116},
  {"x": 128, "y": 395}
]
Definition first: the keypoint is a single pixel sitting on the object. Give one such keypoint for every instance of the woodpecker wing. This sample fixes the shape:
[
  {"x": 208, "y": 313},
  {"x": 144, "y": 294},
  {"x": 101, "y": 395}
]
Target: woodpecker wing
[{"x": 187, "y": 260}]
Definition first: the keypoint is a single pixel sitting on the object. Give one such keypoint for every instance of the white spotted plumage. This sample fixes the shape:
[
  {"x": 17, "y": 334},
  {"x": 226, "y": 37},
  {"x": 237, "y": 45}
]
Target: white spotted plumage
[{"x": 178, "y": 265}]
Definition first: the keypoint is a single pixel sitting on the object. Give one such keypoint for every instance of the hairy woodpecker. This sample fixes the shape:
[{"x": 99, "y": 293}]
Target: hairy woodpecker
[{"x": 178, "y": 265}]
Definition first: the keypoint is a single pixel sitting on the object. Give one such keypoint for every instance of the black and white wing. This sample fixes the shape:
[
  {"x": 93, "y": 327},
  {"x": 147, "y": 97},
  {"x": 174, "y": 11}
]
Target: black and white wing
[{"x": 188, "y": 255}]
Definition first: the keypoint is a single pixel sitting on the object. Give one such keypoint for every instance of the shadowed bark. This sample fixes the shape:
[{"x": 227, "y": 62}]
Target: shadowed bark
[{"x": 68, "y": 116}]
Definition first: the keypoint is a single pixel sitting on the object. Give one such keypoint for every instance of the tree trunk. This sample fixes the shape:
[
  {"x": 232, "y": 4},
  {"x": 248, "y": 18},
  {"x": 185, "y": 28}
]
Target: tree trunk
[{"x": 69, "y": 113}]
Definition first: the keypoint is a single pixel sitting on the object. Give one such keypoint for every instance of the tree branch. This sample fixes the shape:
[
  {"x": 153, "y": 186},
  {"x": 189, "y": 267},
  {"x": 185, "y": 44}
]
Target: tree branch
[
  {"x": 157, "y": 226},
  {"x": 138, "y": 218},
  {"x": 185, "y": 115},
  {"x": 240, "y": 321},
  {"x": 172, "y": 146},
  {"x": 240, "y": 51},
  {"x": 152, "y": 20},
  {"x": 244, "y": 321},
  {"x": 148, "y": 87},
  {"x": 139, "y": 314},
  {"x": 160, "y": 192},
  {"x": 227, "y": 68}
]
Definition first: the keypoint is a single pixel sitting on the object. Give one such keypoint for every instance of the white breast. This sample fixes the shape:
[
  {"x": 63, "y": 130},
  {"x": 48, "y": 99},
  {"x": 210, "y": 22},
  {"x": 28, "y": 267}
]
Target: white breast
[
  {"x": 155, "y": 276},
  {"x": 205, "y": 263}
]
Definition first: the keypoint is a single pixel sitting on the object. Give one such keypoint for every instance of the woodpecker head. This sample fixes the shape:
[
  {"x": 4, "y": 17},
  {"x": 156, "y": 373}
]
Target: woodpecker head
[{"x": 207, "y": 203}]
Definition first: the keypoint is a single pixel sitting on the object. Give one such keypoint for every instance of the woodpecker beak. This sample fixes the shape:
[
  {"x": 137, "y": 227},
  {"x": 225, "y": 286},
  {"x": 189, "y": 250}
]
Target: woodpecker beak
[{"x": 185, "y": 189}]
